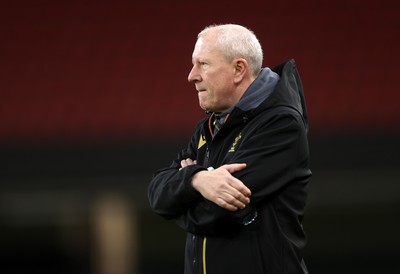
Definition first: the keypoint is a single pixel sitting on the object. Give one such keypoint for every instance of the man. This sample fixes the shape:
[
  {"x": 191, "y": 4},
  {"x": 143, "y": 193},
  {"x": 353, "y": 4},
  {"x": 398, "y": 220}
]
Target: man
[{"x": 239, "y": 189}]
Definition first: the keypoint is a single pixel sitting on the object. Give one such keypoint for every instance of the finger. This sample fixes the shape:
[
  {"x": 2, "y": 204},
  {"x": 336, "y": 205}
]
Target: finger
[
  {"x": 234, "y": 197},
  {"x": 187, "y": 162},
  {"x": 232, "y": 168},
  {"x": 239, "y": 199},
  {"x": 233, "y": 202},
  {"x": 190, "y": 162},
  {"x": 234, "y": 186},
  {"x": 240, "y": 187},
  {"x": 224, "y": 204},
  {"x": 183, "y": 163}
]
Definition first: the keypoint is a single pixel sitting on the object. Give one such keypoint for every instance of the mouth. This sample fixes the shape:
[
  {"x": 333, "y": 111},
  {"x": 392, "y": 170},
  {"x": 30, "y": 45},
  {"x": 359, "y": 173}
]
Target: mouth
[{"x": 199, "y": 89}]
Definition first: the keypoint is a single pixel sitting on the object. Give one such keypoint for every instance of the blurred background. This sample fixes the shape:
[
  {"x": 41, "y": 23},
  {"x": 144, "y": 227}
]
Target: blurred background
[{"x": 94, "y": 98}]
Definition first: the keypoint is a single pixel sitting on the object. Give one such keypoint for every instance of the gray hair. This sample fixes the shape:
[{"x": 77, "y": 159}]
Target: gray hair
[{"x": 236, "y": 41}]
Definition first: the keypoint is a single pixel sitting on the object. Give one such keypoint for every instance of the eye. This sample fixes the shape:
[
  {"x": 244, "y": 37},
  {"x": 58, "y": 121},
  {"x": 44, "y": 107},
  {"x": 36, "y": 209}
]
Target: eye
[{"x": 203, "y": 64}]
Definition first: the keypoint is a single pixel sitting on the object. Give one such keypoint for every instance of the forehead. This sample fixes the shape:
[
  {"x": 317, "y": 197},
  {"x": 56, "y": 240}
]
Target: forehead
[{"x": 205, "y": 47}]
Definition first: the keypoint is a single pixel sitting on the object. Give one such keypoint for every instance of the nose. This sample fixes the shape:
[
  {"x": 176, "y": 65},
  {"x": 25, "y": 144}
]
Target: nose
[{"x": 194, "y": 75}]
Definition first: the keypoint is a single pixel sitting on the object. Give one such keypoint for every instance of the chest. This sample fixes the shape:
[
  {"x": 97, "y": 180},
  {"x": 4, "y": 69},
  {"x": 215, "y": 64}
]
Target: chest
[{"x": 220, "y": 149}]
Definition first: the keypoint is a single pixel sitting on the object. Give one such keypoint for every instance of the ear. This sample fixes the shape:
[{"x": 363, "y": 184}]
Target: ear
[{"x": 241, "y": 68}]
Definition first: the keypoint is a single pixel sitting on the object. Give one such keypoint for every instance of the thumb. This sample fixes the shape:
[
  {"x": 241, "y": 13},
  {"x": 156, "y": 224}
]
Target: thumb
[{"x": 232, "y": 168}]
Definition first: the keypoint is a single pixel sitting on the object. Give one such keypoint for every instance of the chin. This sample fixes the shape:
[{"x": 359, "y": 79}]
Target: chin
[{"x": 205, "y": 109}]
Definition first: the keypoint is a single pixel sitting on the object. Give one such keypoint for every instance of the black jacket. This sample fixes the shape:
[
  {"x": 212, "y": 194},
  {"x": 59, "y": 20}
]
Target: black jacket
[{"x": 266, "y": 236}]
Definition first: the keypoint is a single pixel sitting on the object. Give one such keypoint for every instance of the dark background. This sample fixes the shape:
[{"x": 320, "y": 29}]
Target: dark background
[{"x": 94, "y": 98}]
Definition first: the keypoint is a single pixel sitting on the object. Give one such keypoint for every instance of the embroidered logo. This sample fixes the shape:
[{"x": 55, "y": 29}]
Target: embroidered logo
[
  {"x": 237, "y": 139},
  {"x": 202, "y": 141}
]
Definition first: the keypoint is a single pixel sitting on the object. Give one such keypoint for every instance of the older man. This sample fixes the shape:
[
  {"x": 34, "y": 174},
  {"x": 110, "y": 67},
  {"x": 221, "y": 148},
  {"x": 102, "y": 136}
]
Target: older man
[{"x": 239, "y": 189}]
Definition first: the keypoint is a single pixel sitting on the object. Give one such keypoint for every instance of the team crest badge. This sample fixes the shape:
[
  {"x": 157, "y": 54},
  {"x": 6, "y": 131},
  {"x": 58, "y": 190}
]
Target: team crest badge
[{"x": 237, "y": 139}]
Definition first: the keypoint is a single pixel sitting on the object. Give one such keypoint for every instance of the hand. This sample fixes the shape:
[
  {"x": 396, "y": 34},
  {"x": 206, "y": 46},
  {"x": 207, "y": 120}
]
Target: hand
[
  {"x": 187, "y": 162},
  {"x": 221, "y": 188}
]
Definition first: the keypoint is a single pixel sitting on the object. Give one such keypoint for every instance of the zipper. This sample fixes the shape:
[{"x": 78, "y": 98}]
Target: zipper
[
  {"x": 196, "y": 265},
  {"x": 194, "y": 253},
  {"x": 204, "y": 255},
  {"x": 207, "y": 159}
]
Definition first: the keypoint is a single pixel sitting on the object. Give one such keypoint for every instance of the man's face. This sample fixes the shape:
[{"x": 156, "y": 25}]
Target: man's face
[{"x": 212, "y": 75}]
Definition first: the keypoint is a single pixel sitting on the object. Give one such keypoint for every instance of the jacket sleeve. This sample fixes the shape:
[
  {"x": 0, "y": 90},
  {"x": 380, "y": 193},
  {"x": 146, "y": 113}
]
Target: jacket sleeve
[
  {"x": 170, "y": 192},
  {"x": 276, "y": 154}
]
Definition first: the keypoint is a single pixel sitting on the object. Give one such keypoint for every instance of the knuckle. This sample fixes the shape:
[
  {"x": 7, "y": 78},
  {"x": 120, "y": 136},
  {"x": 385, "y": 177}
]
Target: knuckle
[{"x": 232, "y": 200}]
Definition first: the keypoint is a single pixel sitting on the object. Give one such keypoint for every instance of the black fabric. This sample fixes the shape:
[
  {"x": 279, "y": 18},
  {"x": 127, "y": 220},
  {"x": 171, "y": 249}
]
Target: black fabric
[{"x": 272, "y": 140}]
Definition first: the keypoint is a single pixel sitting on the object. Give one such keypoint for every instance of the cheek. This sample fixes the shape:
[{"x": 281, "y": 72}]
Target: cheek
[
  {"x": 218, "y": 88},
  {"x": 221, "y": 89}
]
